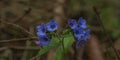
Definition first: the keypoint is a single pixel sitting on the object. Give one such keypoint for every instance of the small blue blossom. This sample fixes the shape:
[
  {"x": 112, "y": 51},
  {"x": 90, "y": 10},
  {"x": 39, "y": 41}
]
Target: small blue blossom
[
  {"x": 83, "y": 39},
  {"x": 86, "y": 35},
  {"x": 52, "y": 26},
  {"x": 82, "y": 22},
  {"x": 78, "y": 33},
  {"x": 81, "y": 33},
  {"x": 43, "y": 40},
  {"x": 41, "y": 29},
  {"x": 72, "y": 23}
]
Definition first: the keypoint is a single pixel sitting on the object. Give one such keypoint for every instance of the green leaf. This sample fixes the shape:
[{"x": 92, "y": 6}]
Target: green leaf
[
  {"x": 43, "y": 50},
  {"x": 59, "y": 54},
  {"x": 68, "y": 41},
  {"x": 54, "y": 42}
]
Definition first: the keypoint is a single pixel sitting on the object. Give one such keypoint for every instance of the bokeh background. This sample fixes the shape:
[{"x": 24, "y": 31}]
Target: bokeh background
[{"x": 19, "y": 18}]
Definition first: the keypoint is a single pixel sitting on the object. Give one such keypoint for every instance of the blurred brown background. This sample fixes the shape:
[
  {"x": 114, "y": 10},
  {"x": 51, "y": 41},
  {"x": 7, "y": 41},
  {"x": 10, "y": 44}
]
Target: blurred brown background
[{"x": 19, "y": 18}]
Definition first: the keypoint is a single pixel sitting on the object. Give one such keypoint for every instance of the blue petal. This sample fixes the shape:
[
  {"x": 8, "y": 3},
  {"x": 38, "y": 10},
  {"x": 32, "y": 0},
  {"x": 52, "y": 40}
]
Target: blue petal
[
  {"x": 82, "y": 22},
  {"x": 83, "y": 39},
  {"x": 72, "y": 23},
  {"x": 43, "y": 40},
  {"x": 41, "y": 29},
  {"x": 52, "y": 26},
  {"x": 86, "y": 35},
  {"x": 78, "y": 33}
]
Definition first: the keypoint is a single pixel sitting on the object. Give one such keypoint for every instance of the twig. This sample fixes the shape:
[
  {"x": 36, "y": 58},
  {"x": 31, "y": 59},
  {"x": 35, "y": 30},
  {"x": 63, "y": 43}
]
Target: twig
[
  {"x": 24, "y": 48},
  {"x": 17, "y": 39},
  {"x": 104, "y": 30},
  {"x": 19, "y": 48},
  {"x": 17, "y": 26},
  {"x": 3, "y": 48}
]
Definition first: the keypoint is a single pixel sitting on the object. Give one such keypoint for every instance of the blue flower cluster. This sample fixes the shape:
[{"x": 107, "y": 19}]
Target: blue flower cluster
[
  {"x": 80, "y": 30},
  {"x": 81, "y": 33},
  {"x": 43, "y": 39}
]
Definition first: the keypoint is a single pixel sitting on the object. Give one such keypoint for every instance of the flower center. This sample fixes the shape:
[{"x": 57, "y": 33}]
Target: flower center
[
  {"x": 43, "y": 30},
  {"x": 52, "y": 26},
  {"x": 71, "y": 24}
]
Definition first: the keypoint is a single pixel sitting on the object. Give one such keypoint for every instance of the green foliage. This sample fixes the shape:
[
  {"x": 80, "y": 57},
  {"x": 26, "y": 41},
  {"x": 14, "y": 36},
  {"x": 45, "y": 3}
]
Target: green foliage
[
  {"x": 59, "y": 54},
  {"x": 54, "y": 42},
  {"x": 68, "y": 41}
]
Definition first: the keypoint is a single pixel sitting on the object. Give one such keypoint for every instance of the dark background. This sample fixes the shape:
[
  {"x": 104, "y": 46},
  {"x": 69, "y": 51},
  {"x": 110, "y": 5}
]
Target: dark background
[{"x": 19, "y": 18}]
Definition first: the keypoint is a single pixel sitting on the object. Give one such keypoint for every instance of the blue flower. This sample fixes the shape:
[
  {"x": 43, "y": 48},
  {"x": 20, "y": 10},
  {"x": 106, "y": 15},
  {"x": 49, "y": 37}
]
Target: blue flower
[
  {"x": 81, "y": 33},
  {"x": 52, "y": 26},
  {"x": 86, "y": 35},
  {"x": 72, "y": 23},
  {"x": 43, "y": 40},
  {"x": 78, "y": 33},
  {"x": 83, "y": 38},
  {"x": 41, "y": 29},
  {"x": 82, "y": 22}
]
